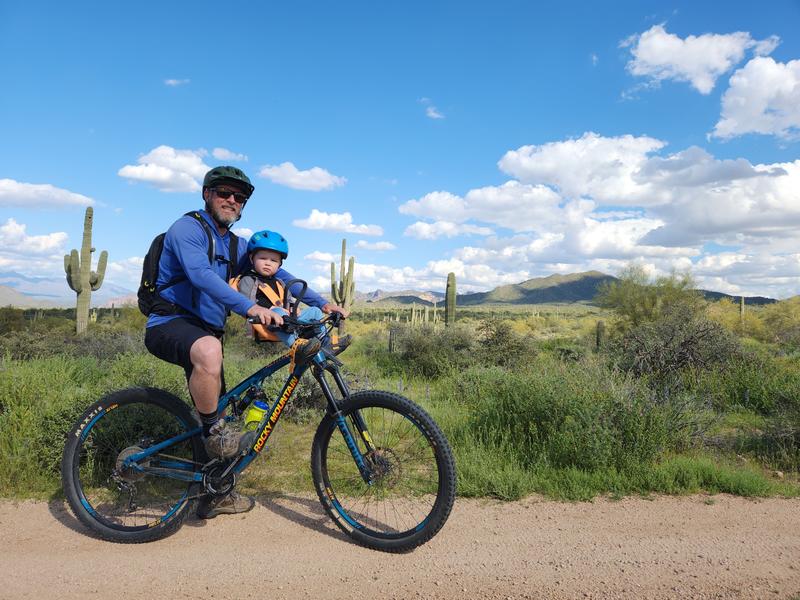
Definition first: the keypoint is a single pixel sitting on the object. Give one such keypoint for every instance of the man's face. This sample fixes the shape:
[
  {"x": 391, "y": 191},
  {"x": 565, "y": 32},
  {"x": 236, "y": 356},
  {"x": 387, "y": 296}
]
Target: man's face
[
  {"x": 225, "y": 202},
  {"x": 266, "y": 262}
]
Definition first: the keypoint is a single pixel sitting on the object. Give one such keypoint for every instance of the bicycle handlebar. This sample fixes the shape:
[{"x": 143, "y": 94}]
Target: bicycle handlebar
[{"x": 292, "y": 324}]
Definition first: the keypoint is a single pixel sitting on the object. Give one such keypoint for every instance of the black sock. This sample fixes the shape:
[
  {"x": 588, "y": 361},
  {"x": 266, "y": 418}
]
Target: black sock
[{"x": 208, "y": 420}]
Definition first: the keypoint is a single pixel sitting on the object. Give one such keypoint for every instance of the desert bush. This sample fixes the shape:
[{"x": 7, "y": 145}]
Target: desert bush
[
  {"x": 780, "y": 443},
  {"x": 12, "y": 319},
  {"x": 726, "y": 313},
  {"x": 568, "y": 415},
  {"x": 754, "y": 381},
  {"x": 782, "y": 322},
  {"x": 501, "y": 345},
  {"x": 41, "y": 343},
  {"x": 433, "y": 351},
  {"x": 678, "y": 341}
]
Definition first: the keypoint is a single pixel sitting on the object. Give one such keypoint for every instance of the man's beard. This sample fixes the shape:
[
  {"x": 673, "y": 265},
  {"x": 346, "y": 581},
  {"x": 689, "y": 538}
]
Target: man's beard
[{"x": 221, "y": 218}]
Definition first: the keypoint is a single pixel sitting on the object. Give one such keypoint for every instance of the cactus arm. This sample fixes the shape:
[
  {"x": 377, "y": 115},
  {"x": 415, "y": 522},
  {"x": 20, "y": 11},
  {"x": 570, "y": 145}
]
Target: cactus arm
[
  {"x": 73, "y": 270},
  {"x": 349, "y": 284},
  {"x": 96, "y": 278},
  {"x": 333, "y": 282},
  {"x": 68, "y": 271}
]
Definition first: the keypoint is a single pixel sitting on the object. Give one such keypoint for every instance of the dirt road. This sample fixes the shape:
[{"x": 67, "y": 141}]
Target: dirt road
[{"x": 696, "y": 547}]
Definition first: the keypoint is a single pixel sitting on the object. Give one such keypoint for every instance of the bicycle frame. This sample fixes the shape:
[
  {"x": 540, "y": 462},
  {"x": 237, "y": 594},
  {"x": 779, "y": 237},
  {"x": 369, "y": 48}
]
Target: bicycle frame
[{"x": 237, "y": 399}]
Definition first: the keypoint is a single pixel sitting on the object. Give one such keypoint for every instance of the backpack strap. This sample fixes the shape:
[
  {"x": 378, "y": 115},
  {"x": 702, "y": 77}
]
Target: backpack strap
[{"x": 233, "y": 254}]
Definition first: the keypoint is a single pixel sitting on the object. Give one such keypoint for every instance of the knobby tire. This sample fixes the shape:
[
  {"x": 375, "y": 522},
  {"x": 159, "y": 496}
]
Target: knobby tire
[
  {"x": 123, "y": 505},
  {"x": 412, "y": 497}
]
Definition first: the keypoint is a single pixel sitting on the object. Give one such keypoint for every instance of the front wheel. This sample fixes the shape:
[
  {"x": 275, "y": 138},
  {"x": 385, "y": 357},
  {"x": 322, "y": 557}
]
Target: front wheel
[
  {"x": 412, "y": 483},
  {"x": 123, "y": 501}
]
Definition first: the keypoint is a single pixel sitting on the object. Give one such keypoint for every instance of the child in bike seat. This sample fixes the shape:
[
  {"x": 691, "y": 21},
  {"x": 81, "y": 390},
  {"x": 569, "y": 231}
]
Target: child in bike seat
[{"x": 264, "y": 285}]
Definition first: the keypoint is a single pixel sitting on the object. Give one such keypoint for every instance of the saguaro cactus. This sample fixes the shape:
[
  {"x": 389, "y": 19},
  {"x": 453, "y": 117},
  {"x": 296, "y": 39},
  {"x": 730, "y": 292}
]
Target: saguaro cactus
[
  {"x": 80, "y": 276},
  {"x": 450, "y": 300},
  {"x": 344, "y": 289},
  {"x": 599, "y": 335}
]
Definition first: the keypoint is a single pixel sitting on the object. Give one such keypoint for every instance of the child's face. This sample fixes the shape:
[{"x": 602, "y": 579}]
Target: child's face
[{"x": 266, "y": 262}]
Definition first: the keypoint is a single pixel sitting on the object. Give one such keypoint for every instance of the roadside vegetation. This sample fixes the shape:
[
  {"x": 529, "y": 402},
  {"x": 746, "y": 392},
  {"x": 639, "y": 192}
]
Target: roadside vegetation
[{"x": 652, "y": 390}]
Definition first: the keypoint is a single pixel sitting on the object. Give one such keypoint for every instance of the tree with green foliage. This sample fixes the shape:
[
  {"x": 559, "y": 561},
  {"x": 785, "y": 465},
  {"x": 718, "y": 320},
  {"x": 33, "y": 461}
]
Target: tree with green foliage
[
  {"x": 637, "y": 300},
  {"x": 782, "y": 322}
]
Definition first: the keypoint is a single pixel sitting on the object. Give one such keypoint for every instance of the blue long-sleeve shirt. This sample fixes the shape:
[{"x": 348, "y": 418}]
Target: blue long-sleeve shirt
[{"x": 205, "y": 292}]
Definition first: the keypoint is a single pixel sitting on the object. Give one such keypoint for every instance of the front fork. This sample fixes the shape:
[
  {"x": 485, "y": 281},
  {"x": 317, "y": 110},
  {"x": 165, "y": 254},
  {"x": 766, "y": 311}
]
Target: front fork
[{"x": 356, "y": 419}]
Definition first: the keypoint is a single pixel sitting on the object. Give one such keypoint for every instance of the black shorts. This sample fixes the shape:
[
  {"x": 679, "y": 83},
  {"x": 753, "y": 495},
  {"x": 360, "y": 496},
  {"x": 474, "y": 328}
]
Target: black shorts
[{"x": 172, "y": 341}]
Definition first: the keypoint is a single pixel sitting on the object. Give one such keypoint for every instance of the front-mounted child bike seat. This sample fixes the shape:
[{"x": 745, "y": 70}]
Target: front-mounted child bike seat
[{"x": 249, "y": 286}]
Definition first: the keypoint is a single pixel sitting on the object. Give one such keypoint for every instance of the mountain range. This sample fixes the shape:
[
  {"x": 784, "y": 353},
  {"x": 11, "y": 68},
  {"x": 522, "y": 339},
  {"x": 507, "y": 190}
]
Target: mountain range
[
  {"x": 553, "y": 289},
  {"x": 41, "y": 292}
]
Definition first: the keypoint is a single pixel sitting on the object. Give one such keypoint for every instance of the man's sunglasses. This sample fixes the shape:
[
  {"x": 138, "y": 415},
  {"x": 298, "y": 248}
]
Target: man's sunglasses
[{"x": 225, "y": 193}]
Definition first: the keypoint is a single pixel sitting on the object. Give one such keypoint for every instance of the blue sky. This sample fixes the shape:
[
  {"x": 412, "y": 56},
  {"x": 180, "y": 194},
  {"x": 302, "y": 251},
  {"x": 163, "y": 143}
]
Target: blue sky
[{"x": 501, "y": 141}]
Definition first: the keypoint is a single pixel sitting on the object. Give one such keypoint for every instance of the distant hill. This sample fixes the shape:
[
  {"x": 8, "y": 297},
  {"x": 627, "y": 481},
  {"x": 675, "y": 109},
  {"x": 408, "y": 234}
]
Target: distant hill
[
  {"x": 380, "y": 295},
  {"x": 389, "y": 301},
  {"x": 50, "y": 292},
  {"x": 748, "y": 300},
  {"x": 554, "y": 289},
  {"x": 11, "y": 297},
  {"x": 576, "y": 287}
]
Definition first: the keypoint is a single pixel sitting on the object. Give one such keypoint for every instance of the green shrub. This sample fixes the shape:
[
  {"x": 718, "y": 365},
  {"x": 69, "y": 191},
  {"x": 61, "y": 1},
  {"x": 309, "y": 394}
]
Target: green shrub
[
  {"x": 756, "y": 382},
  {"x": 430, "y": 351},
  {"x": 501, "y": 345},
  {"x": 676, "y": 342},
  {"x": 561, "y": 415}
]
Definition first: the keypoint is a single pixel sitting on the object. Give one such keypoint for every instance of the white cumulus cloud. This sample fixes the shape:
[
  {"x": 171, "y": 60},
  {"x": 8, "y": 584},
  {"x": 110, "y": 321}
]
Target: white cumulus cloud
[
  {"x": 336, "y": 222},
  {"x": 763, "y": 97},
  {"x": 225, "y": 154},
  {"x": 243, "y": 232},
  {"x": 698, "y": 60},
  {"x": 320, "y": 256},
  {"x": 169, "y": 169},
  {"x": 592, "y": 165},
  {"x": 14, "y": 241},
  {"x": 439, "y": 229},
  {"x": 176, "y": 82},
  {"x": 39, "y": 195},
  {"x": 601, "y": 202},
  {"x": 314, "y": 179},
  {"x": 377, "y": 246}
]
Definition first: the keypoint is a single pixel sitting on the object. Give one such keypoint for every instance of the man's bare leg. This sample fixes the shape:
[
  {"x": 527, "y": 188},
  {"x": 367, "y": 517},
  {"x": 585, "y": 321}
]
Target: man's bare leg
[{"x": 206, "y": 378}]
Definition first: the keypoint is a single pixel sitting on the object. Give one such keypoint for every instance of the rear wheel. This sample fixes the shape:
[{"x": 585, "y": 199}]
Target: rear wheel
[
  {"x": 413, "y": 484},
  {"x": 124, "y": 502}
]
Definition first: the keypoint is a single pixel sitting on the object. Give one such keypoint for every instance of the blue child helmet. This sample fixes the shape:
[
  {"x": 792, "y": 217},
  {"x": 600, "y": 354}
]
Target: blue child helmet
[{"x": 268, "y": 240}]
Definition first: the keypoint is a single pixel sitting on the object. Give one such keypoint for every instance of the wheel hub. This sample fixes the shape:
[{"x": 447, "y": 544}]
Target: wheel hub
[
  {"x": 128, "y": 473},
  {"x": 386, "y": 467}
]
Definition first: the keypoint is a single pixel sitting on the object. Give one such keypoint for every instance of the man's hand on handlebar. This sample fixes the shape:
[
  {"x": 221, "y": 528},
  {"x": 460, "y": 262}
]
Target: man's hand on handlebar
[
  {"x": 264, "y": 315},
  {"x": 333, "y": 308}
]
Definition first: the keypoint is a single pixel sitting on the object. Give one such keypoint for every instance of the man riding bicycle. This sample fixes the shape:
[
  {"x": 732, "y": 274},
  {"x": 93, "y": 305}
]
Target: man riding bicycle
[{"x": 186, "y": 325}]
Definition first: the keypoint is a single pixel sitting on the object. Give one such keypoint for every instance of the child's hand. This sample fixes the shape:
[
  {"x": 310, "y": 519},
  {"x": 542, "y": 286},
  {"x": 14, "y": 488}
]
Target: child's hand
[
  {"x": 264, "y": 315},
  {"x": 329, "y": 308}
]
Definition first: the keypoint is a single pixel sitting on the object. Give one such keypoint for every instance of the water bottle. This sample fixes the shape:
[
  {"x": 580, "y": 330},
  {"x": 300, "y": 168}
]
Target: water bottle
[{"x": 254, "y": 414}]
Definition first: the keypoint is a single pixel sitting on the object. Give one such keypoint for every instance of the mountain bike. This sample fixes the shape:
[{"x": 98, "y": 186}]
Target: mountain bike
[{"x": 134, "y": 463}]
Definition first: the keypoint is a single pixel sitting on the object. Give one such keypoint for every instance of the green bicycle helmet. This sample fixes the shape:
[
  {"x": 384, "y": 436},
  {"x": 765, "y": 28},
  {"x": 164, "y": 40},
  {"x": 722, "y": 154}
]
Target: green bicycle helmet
[{"x": 228, "y": 174}]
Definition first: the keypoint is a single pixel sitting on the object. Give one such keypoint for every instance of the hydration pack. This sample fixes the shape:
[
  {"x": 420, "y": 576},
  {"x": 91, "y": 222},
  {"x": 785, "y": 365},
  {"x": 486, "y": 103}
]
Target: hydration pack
[{"x": 149, "y": 297}]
